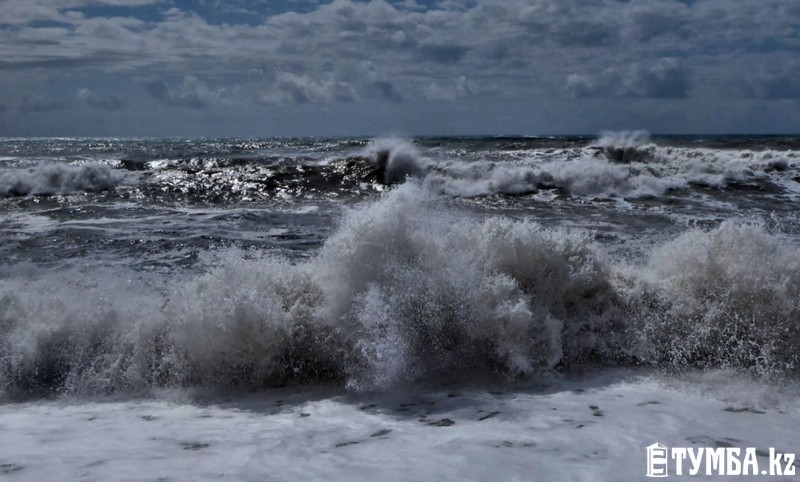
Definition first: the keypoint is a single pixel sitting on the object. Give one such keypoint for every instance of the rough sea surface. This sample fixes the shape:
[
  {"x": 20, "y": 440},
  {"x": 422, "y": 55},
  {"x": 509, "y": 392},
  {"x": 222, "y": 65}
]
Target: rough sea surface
[{"x": 445, "y": 276}]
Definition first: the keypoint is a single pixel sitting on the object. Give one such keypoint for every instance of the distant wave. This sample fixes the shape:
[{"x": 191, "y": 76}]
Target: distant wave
[
  {"x": 625, "y": 146},
  {"x": 409, "y": 288},
  {"x": 615, "y": 165},
  {"x": 57, "y": 179}
]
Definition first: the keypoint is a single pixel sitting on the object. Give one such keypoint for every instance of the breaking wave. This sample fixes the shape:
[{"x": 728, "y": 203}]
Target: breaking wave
[
  {"x": 615, "y": 165},
  {"x": 408, "y": 288},
  {"x": 625, "y": 165},
  {"x": 57, "y": 179},
  {"x": 727, "y": 297}
]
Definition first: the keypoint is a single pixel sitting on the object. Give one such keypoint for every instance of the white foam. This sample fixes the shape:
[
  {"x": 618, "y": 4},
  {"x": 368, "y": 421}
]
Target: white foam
[
  {"x": 725, "y": 297},
  {"x": 616, "y": 165},
  {"x": 400, "y": 273},
  {"x": 595, "y": 428},
  {"x": 396, "y": 159},
  {"x": 50, "y": 179},
  {"x": 405, "y": 289}
]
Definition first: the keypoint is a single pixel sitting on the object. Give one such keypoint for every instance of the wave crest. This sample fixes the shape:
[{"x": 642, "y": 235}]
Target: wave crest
[
  {"x": 626, "y": 146},
  {"x": 727, "y": 297},
  {"x": 394, "y": 160},
  {"x": 409, "y": 288},
  {"x": 621, "y": 165},
  {"x": 403, "y": 290},
  {"x": 57, "y": 179}
]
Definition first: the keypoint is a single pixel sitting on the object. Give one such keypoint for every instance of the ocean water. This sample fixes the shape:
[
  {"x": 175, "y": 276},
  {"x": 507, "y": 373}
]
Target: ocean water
[{"x": 222, "y": 277}]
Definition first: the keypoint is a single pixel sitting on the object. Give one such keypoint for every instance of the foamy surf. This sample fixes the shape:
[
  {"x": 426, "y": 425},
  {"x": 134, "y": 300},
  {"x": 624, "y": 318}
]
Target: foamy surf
[
  {"x": 459, "y": 431},
  {"x": 409, "y": 288},
  {"x": 626, "y": 165},
  {"x": 57, "y": 179},
  {"x": 333, "y": 309},
  {"x": 623, "y": 165}
]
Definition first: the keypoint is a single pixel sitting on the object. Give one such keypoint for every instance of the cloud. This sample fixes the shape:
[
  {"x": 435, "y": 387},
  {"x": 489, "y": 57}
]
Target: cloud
[
  {"x": 659, "y": 20},
  {"x": 158, "y": 89},
  {"x": 515, "y": 42},
  {"x": 192, "y": 93},
  {"x": 125, "y": 3},
  {"x": 581, "y": 85},
  {"x": 459, "y": 89},
  {"x": 387, "y": 90},
  {"x": 781, "y": 83},
  {"x": 18, "y": 12},
  {"x": 37, "y": 104},
  {"x": 363, "y": 81},
  {"x": 377, "y": 82},
  {"x": 110, "y": 103},
  {"x": 344, "y": 52},
  {"x": 456, "y": 89},
  {"x": 583, "y": 33},
  {"x": 302, "y": 89},
  {"x": 664, "y": 79},
  {"x": 444, "y": 54}
]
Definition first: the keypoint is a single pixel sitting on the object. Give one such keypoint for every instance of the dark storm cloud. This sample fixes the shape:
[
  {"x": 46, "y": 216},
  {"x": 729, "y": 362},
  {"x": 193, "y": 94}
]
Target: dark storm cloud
[
  {"x": 667, "y": 79},
  {"x": 185, "y": 43},
  {"x": 649, "y": 25},
  {"x": 445, "y": 54},
  {"x": 35, "y": 103},
  {"x": 109, "y": 103},
  {"x": 158, "y": 89},
  {"x": 783, "y": 83},
  {"x": 192, "y": 93},
  {"x": 193, "y": 55},
  {"x": 387, "y": 90},
  {"x": 582, "y": 33}
]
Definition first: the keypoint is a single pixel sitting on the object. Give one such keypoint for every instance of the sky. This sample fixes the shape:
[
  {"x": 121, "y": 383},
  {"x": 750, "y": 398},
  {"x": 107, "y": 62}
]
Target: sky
[{"x": 397, "y": 67}]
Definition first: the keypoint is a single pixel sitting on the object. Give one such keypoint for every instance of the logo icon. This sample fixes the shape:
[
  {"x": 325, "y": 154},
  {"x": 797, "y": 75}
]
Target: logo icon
[{"x": 657, "y": 457}]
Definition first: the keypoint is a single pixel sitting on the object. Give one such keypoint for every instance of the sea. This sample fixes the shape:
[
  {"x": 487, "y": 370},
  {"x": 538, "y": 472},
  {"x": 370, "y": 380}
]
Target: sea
[{"x": 421, "y": 308}]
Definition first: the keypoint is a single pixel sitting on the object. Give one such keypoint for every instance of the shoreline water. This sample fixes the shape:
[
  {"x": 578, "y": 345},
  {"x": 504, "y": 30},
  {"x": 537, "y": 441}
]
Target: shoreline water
[{"x": 368, "y": 273}]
